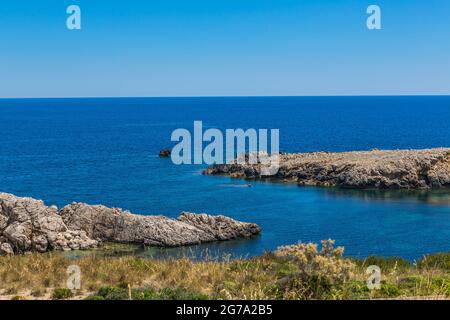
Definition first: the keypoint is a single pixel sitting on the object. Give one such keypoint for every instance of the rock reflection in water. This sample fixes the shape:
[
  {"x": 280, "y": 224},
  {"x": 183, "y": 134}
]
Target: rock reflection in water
[{"x": 435, "y": 197}]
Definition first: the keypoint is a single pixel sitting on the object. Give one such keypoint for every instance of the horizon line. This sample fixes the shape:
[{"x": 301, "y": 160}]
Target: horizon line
[{"x": 227, "y": 96}]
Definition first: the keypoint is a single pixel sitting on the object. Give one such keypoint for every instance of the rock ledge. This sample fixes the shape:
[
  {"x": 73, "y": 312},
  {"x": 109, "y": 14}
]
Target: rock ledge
[
  {"x": 382, "y": 169},
  {"x": 28, "y": 225}
]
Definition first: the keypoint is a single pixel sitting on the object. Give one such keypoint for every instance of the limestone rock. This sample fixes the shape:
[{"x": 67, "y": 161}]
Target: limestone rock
[
  {"x": 27, "y": 225},
  {"x": 112, "y": 224},
  {"x": 6, "y": 249},
  {"x": 220, "y": 227},
  {"x": 383, "y": 169}
]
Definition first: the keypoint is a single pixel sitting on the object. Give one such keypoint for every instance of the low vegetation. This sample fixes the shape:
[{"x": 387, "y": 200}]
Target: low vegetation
[{"x": 302, "y": 271}]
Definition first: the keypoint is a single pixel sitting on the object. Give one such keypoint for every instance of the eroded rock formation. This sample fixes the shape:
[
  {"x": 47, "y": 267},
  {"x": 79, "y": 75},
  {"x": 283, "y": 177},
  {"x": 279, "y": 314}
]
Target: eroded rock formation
[
  {"x": 387, "y": 169},
  {"x": 112, "y": 224},
  {"x": 28, "y": 225}
]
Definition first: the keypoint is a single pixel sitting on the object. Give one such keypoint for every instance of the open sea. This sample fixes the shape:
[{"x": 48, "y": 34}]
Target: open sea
[{"x": 105, "y": 151}]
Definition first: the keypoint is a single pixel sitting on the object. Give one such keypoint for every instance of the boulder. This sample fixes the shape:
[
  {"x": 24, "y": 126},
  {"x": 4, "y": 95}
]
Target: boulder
[
  {"x": 27, "y": 224},
  {"x": 220, "y": 227},
  {"x": 6, "y": 249}
]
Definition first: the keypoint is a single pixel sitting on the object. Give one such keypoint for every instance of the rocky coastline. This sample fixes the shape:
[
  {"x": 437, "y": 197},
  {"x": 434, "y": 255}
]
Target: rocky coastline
[
  {"x": 28, "y": 225},
  {"x": 378, "y": 169}
]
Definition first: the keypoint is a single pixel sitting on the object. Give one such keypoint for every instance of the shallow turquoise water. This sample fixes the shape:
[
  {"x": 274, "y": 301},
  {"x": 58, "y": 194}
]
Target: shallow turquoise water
[{"x": 105, "y": 151}]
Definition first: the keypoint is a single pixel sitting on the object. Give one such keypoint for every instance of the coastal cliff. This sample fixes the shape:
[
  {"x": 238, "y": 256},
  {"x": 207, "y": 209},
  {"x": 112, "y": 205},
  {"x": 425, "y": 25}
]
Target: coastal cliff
[
  {"x": 382, "y": 169},
  {"x": 28, "y": 225}
]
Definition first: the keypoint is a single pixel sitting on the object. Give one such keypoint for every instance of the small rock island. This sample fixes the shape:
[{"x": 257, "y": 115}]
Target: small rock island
[
  {"x": 380, "y": 169},
  {"x": 165, "y": 153},
  {"x": 28, "y": 225}
]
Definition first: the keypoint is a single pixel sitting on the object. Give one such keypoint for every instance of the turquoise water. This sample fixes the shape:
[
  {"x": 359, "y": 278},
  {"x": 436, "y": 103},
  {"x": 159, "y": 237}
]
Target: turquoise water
[{"x": 105, "y": 151}]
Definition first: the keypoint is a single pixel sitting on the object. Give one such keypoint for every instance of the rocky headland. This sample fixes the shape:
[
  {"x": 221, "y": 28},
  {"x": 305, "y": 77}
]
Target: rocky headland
[
  {"x": 28, "y": 225},
  {"x": 381, "y": 169}
]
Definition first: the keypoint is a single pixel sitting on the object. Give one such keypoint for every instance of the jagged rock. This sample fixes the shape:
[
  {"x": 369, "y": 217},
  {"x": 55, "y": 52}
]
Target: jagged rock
[
  {"x": 6, "y": 249},
  {"x": 388, "y": 169},
  {"x": 112, "y": 224},
  {"x": 27, "y": 224},
  {"x": 220, "y": 227}
]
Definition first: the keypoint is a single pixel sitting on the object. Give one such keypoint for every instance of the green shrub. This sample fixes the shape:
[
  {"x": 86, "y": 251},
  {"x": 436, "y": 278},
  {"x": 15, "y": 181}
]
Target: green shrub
[
  {"x": 180, "y": 294},
  {"x": 113, "y": 293},
  {"x": 317, "y": 271},
  {"x": 144, "y": 294},
  {"x": 389, "y": 290},
  {"x": 352, "y": 290},
  {"x": 441, "y": 285},
  {"x": 435, "y": 261},
  {"x": 62, "y": 293},
  {"x": 285, "y": 269}
]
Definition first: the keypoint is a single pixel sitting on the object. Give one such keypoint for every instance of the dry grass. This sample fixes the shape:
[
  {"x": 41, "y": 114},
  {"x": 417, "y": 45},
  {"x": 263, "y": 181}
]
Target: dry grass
[
  {"x": 270, "y": 276},
  {"x": 41, "y": 272}
]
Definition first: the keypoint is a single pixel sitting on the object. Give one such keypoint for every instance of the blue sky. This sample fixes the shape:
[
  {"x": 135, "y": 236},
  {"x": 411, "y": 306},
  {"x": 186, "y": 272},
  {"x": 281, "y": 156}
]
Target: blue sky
[{"x": 223, "y": 47}]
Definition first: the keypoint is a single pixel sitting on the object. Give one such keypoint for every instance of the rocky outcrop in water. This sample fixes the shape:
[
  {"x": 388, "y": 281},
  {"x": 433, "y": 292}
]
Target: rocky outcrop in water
[
  {"x": 165, "y": 153},
  {"x": 112, "y": 224},
  {"x": 383, "y": 169},
  {"x": 28, "y": 225}
]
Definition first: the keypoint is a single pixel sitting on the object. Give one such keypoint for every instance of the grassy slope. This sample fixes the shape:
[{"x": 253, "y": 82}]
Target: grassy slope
[{"x": 305, "y": 274}]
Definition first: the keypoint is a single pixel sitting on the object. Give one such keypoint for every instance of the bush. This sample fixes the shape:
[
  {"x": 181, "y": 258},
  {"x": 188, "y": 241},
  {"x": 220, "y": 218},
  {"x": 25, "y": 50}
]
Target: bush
[
  {"x": 389, "y": 290},
  {"x": 441, "y": 285},
  {"x": 435, "y": 261},
  {"x": 317, "y": 272},
  {"x": 113, "y": 293},
  {"x": 352, "y": 290},
  {"x": 62, "y": 293},
  {"x": 180, "y": 294},
  {"x": 144, "y": 294}
]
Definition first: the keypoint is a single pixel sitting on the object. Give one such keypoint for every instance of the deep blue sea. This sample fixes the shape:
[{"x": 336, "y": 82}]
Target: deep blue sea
[{"x": 105, "y": 151}]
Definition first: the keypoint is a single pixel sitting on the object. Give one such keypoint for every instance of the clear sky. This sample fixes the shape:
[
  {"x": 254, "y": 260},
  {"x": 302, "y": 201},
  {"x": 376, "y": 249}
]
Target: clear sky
[{"x": 223, "y": 47}]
